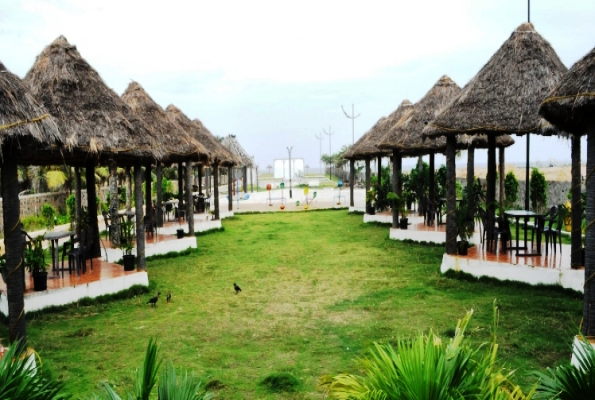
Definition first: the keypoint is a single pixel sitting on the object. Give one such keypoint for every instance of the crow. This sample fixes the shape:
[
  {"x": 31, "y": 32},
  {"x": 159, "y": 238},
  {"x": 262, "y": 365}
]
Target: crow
[
  {"x": 153, "y": 300},
  {"x": 168, "y": 297},
  {"x": 237, "y": 288}
]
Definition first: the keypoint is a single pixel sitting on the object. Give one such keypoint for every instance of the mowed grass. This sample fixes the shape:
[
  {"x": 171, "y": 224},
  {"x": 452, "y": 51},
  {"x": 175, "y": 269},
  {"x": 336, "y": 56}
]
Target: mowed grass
[{"x": 318, "y": 288}]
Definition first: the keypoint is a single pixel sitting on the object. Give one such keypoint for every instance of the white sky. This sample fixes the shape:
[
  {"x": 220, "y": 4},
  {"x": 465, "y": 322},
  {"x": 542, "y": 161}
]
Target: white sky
[{"x": 275, "y": 73}]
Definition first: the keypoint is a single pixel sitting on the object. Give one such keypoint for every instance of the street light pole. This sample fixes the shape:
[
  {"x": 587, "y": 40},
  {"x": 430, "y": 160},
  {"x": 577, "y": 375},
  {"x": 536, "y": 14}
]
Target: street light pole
[
  {"x": 352, "y": 117},
  {"x": 289, "y": 151},
  {"x": 329, "y": 133}
]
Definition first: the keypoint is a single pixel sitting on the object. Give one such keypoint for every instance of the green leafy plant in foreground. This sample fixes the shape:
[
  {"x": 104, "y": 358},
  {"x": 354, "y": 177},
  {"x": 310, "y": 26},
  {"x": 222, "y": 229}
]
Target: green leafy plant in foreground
[
  {"x": 22, "y": 378},
  {"x": 170, "y": 387},
  {"x": 568, "y": 382},
  {"x": 427, "y": 368}
]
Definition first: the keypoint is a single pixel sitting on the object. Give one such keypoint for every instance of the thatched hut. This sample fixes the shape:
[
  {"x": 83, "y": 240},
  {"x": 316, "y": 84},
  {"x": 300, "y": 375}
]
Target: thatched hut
[
  {"x": 223, "y": 157},
  {"x": 570, "y": 106},
  {"x": 26, "y": 131},
  {"x": 246, "y": 161},
  {"x": 503, "y": 98},
  {"x": 97, "y": 125},
  {"x": 178, "y": 145}
]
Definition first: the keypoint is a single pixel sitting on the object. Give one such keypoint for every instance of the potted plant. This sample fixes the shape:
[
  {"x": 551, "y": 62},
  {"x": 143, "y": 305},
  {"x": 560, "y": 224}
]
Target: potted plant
[
  {"x": 127, "y": 244},
  {"x": 34, "y": 260},
  {"x": 465, "y": 227},
  {"x": 404, "y": 221},
  {"x": 371, "y": 197}
]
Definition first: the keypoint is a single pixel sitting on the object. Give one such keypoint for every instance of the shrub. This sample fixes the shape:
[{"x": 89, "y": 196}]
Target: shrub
[
  {"x": 538, "y": 190},
  {"x": 280, "y": 382},
  {"x": 425, "y": 367},
  {"x": 511, "y": 189},
  {"x": 70, "y": 204},
  {"x": 48, "y": 212}
]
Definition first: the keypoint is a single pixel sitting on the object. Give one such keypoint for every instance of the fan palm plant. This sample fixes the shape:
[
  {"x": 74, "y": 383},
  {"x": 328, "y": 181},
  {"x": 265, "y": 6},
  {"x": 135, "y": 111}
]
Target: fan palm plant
[
  {"x": 21, "y": 377},
  {"x": 569, "y": 381},
  {"x": 170, "y": 387},
  {"x": 428, "y": 368}
]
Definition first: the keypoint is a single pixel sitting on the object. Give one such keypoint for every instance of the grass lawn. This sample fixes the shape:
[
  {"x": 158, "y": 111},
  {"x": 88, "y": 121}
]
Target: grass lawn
[{"x": 317, "y": 289}]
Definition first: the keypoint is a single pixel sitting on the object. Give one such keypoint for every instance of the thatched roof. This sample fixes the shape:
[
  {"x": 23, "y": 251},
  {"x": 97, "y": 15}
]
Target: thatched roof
[
  {"x": 406, "y": 136},
  {"x": 233, "y": 145},
  {"x": 178, "y": 145},
  {"x": 179, "y": 118},
  {"x": 481, "y": 141},
  {"x": 212, "y": 143},
  {"x": 91, "y": 116},
  {"x": 505, "y": 94},
  {"x": 25, "y": 124},
  {"x": 366, "y": 146},
  {"x": 571, "y": 104}
]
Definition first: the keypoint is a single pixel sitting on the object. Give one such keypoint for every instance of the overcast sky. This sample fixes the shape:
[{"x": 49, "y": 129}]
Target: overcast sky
[{"x": 275, "y": 73}]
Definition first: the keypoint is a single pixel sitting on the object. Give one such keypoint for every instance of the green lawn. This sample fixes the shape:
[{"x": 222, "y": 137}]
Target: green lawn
[{"x": 317, "y": 289}]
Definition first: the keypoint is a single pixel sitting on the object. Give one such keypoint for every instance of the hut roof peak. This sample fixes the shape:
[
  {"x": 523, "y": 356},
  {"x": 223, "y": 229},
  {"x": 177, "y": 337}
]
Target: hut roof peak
[
  {"x": 2, "y": 67},
  {"x": 526, "y": 27},
  {"x": 445, "y": 81}
]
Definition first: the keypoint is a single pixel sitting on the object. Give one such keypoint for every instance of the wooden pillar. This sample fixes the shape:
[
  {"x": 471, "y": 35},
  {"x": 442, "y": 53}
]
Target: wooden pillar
[
  {"x": 379, "y": 171},
  {"x": 501, "y": 176},
  {"x": 367, "y": 182},
  {"x": 432, "y": 188},
  {"x": 128, "y": 188},
  {"x": 180, "y": 184},
  {"x": 200, "y": 178},
  {"x": 189, "y": 199},
  {"x": 148, "y": 189},
  {"x": 251, "y": 185},
  {"x": 451, "y": 195},
  {"x": 77, "y": 199},
  {"x": 92, "y": 208},
  {"x": 351, "y": 181},
  {"x": 13, "y": 246},
  {"x": 216, "y": 188},
  {"x": 245, "y": 179},
  {"x": 229, "y": 188},
  {"x": 588, "y": 326},
  {"x": 491, "y": 177},
  {"x": 138, "y": 205},
  {"x": 395, "y": 189},
  {"x": 577, "y": 219},
  {"x": 470, "y": 165},
  {"x": 114, "y": 201},
  {"x": 159, "y": 205}
]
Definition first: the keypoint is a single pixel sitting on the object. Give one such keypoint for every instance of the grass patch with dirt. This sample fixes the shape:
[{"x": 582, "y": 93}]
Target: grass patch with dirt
[{"x": 317, "y": 290}]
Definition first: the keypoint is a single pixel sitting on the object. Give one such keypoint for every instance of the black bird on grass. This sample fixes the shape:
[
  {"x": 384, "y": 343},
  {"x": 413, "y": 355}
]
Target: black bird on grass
[
  {"x": 237, "y": 288},
  {"x": 168, "y": 297},
  {"x": 153, "y": 300}
]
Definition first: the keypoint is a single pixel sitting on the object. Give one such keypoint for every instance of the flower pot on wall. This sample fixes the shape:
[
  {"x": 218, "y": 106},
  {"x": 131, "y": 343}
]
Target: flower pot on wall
[
  {"x": 180, "y": 233},
  {"x": 40, "y": 281},
  {"x": 370, "y": 210},
  {"x": 129, "y": 261}
]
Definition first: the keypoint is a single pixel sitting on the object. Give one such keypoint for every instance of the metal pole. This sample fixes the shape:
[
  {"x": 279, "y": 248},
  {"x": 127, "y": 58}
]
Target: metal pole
[
  {"x": 352, "y": 117},
  {"x": 329, "y": 133},
  {"x": 289, "y": 151}
]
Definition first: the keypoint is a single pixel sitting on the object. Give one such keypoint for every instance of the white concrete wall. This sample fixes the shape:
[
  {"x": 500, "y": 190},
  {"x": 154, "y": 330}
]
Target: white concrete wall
[
  {"x": 566, "y": 278},
  {"x": 59, "y": 297}
]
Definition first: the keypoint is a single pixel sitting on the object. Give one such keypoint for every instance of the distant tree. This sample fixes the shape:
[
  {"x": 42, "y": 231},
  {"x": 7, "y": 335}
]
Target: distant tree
[
  {"x": 538, "y": 190},
  {"x": 511, "y": 189}
]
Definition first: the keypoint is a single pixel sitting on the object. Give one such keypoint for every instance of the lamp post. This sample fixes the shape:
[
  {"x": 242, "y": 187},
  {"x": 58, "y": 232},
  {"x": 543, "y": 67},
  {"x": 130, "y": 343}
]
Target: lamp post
[
  {"x": 289, "y": 151},
  {"x": 329, "y": 133}
]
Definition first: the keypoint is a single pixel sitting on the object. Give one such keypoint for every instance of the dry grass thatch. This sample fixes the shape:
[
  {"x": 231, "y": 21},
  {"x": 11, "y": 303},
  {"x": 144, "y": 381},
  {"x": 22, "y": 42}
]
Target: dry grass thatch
[
  {"x": 232, "y": 144},
  {"x": 221, "y": 153},
  {"x": 571, "y": 104},
  {"x": 481, "y": 141},
  {"x": 91, "y": 116},
  {"x": 25, "y": 124},
  {"x": 405, "y": 135},
  {"x": 367, "y": 145},
  {"x": 178, "y": 145},
  {"x": 505, "y": 94}
]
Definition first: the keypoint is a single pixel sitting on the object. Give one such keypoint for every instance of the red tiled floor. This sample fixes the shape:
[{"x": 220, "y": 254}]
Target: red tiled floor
[{"x": 101, "y": 270}]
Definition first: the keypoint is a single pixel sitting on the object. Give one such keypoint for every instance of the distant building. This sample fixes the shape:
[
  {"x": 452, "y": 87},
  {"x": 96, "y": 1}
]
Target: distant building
[{"x": 281, "y": 168}]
